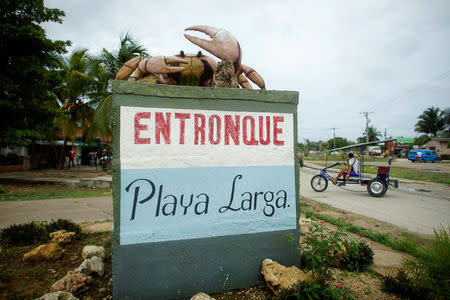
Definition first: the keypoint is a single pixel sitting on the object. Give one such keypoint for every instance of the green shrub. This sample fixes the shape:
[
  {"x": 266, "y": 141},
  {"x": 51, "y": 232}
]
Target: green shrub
[
  {"x": 61, "y": 224},
  {"x": 402, "y": 285},
  {"x": 24, "y": 234},
  {"x": 332, "y": 248},
  {"x": 314, "y": 289},
  {"x": 358, "y": 257},
  {"x": 426, "y": 275},
  {"x": 34, "y": 232}
]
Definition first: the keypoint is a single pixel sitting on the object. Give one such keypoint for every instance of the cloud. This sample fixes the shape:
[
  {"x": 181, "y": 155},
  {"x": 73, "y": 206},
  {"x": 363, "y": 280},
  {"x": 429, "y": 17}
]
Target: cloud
[{"x": 343, "y": 57}]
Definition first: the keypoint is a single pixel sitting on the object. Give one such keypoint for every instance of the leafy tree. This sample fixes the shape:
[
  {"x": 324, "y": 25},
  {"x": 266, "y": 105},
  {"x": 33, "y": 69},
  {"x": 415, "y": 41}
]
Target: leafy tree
[
  {"x": 374, "y": 135},
  {"x": 420, "y": 140},
  {"x": 27, "y": 58},
  {"x": 105, "y": 68},
  {"x": 76, "y": 83},
  {"x": 432, "y": 120},
  {"x": 340, "y": 142}
]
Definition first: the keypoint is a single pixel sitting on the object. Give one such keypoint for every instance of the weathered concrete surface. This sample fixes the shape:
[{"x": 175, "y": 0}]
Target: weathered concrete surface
[{"x": 78, "y": 210}]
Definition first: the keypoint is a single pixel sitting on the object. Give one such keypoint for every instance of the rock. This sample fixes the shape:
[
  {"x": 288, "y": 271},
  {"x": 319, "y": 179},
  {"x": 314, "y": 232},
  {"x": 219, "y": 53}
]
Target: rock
[
  {"x": 202, "y": 296},
  {"x": 92, "y": 265},
  {"x": 91, "y": 250},
  {"x": 225, "y": 75},
  {"x": 278, "y": 276},
  {"x": 51, "y": 252},
  {"x": 62, "y": 237},
  {"x": 72, "y": 282},
  {"x": 60, "y": 295}
]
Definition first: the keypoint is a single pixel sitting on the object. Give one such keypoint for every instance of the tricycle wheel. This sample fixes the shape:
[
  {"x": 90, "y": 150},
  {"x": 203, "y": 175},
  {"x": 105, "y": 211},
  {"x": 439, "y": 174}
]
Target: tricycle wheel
[
  {"x": 377, "y": 187},
  {"x": 319, "y": 183}
]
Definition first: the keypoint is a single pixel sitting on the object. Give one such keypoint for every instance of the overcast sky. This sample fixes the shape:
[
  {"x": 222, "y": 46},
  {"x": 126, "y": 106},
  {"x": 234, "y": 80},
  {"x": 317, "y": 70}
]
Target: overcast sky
[{"x": 389, "y": 58}]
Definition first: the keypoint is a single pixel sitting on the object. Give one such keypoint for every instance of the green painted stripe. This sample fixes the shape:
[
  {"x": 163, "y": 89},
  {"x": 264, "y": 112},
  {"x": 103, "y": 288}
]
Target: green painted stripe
[{"x": 174, "y": 91}]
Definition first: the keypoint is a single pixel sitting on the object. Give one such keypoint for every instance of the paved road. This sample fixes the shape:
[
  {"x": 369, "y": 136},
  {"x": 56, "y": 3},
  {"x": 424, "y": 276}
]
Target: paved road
[
  {"x": 415, "y": 206},
  {"x": 77, "y": 210}
]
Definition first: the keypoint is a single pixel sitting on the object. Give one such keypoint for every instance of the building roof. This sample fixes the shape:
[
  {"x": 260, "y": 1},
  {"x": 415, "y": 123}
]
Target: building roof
[{"x": 402, "y": 140}]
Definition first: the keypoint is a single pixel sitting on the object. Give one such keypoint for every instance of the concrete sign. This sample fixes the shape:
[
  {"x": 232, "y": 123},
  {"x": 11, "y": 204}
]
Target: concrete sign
[
  {"x": 191, "y": 175},
  {"x": 211, "y": 173}
]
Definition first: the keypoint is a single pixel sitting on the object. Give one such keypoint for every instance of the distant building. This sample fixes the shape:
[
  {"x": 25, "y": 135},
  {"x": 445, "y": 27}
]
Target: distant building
[
  {"x": 401, "y": 146},
  {"x": 439, "y": 145}
]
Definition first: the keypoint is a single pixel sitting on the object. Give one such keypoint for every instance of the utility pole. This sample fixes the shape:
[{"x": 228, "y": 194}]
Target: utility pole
[
  {"x": 385, "y": 133},
  {"x": 334, "y": 137},
  {"x": 366, "y": 113}
]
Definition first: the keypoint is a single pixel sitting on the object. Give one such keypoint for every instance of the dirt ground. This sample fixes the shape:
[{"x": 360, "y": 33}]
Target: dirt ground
[{"x": 29, "y": 280}]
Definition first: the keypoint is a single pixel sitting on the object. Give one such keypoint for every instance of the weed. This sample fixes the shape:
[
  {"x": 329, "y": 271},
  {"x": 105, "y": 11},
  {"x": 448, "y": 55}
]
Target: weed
[
  {"x": 64, "y": 224},
  {"x": 315, "y": 289},
  {"x": 358, "y": 257},
  {"x": 33, "y": 232},
  {"x": 24, "y": 234},
  {"x": 404, "y": 245},
  {"x": 427, "y": 275}
]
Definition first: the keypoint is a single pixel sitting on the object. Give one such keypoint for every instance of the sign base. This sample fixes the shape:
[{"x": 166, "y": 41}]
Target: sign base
[{"x": 181, "y": 269}]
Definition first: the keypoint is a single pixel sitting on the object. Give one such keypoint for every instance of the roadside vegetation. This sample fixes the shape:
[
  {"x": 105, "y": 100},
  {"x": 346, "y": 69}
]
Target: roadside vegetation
[
  {"x": 343, "y": 157},
  {"x": 395, "y": 172},
  {"x": 400, "y": 172},
  {"x": 425, "y": 275},
  {"x": 23, "y": 192}
]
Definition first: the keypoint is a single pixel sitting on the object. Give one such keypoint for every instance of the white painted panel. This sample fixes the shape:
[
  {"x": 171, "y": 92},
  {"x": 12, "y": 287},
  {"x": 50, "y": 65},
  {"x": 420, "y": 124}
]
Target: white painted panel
[{"x": 173, "y": 152}]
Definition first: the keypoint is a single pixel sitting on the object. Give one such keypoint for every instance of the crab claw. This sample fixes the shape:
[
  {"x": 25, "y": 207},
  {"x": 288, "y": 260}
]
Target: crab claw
[
  {"x": 222, "y": 44},
  {"x": 161, "y": 65}
]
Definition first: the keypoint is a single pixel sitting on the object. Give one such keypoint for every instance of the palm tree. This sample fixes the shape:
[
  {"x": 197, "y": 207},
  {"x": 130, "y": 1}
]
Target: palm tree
[
  {"x": 374, "y": 135},
  {"x": 104, "y": 69},
  {"x": 71, "y": 94},
  {"x": 431, "y": 121}
]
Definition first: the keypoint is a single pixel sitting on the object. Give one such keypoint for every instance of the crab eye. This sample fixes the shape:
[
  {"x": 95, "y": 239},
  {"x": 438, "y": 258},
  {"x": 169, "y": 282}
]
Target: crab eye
[
  {"x": 182, "y": 53},
  {"x": 199, "y": 54}
]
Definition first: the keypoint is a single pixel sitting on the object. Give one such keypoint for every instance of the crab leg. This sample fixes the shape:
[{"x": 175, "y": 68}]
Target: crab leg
[
  {"x": 222, "y": 44},
  {"x": 251, "y": 74},
  {"x": 139, "y": 67}
]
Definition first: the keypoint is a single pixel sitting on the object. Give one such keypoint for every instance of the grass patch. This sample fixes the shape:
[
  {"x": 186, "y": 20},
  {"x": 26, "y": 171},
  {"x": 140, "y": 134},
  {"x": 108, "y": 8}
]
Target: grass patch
[
  {"x": 23, "y": 192},
  {"x": 33, "y": 232},
  {"x": 404, "y": 245},
  {"x": 413, "y": 174},
  {"x": 426, "y": 276},
  {"x": 345, "y": 158}
]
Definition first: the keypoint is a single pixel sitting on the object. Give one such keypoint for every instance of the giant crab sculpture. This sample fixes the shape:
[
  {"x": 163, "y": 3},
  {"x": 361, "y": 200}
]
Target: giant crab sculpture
[{"x": 192, "y": 69}]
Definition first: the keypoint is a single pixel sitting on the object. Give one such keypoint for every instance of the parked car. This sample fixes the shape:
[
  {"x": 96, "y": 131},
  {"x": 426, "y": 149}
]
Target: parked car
[
  {"x": 374, "y": 150},
  {"x": 427, "y": 155}
]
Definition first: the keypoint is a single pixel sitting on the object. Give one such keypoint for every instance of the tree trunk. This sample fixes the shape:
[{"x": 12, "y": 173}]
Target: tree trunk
[{"x": 62, "y": 156}]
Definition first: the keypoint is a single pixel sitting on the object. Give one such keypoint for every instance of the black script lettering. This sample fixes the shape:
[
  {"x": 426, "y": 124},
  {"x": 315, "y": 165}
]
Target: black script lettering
[
  {"x": 281, "y": 204},
  {"x": 186, "y": 207},
  {"x": 225, "y": 208},
  {"x": 206, "y": 203},
  {"x": 256, "y": 198},
  {"x": 247, "y": 201},
  {"x": 136, "y": 194},
  {"x": 173, "y": 204},
  {"x": 268, "y": 197}
]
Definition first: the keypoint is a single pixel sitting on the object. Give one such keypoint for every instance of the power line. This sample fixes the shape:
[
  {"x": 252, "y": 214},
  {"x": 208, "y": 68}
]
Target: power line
[
  {"x": 366, "y": 113},
  {"x": 334, "y": 136},
  {"x": 417, "y": 90}
]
